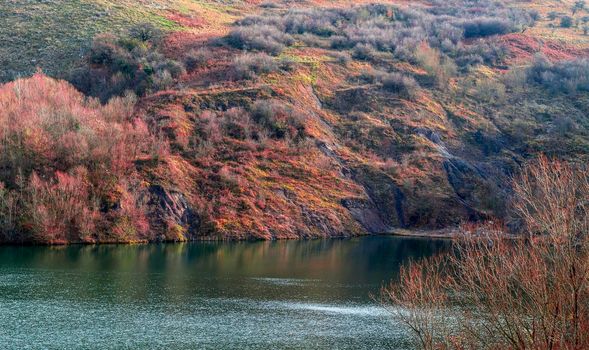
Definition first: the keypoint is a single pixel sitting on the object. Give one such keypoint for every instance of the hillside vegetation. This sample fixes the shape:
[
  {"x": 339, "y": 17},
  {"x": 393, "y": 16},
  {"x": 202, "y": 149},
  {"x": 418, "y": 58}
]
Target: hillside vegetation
[
  {"x": 53, "y": 35},
  {"x": 214, "y": 120}
]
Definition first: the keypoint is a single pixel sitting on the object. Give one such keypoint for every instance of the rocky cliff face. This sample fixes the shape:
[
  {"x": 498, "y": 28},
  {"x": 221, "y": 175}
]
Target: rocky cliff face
[{"x": 171, "y": 215}]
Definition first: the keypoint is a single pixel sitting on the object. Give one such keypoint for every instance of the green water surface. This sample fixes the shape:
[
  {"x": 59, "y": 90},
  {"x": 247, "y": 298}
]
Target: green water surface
[{"x": 263, "y": 295}]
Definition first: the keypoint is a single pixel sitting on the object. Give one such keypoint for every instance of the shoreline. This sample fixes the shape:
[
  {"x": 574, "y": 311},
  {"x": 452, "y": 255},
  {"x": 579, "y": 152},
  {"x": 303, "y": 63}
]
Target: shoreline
[{"x": 446, "y": 233}]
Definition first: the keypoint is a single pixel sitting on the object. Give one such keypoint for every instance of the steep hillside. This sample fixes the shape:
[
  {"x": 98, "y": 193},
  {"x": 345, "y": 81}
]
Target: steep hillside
[{"x": 285, "y": 120}]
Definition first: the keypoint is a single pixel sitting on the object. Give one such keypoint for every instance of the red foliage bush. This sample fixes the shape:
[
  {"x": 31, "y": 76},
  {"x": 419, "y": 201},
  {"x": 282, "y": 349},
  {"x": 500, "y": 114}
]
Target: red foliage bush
[
  {"x": 57, "y": 210},
  {"x": 62, "y": 156}
]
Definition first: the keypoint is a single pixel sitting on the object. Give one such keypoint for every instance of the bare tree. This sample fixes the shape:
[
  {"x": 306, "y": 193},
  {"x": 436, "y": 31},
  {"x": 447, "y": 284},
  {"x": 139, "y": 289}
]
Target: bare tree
[{"x": 494, "y": 291}]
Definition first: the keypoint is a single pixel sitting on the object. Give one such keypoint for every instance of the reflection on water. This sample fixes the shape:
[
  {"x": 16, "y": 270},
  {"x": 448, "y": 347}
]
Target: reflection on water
[{"x": 294, "y": 294}]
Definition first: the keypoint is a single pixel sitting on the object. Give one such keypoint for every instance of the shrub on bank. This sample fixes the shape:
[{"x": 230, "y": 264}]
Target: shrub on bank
[
  {"x": 364, "y": 52},
  {"x": 65, "y": 163},
  {"x": 439, "y": 67},
  {"x": 497, "y": 291},
  {"x": 146, "y": 32}
]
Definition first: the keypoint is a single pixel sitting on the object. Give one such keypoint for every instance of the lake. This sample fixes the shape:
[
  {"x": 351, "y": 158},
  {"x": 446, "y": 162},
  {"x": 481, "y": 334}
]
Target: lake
[{"x": 260, "y": 295}]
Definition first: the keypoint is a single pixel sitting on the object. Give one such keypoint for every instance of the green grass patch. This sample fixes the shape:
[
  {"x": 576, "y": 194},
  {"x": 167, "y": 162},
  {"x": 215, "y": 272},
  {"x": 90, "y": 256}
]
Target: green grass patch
[{"x": 53, "y": 35}]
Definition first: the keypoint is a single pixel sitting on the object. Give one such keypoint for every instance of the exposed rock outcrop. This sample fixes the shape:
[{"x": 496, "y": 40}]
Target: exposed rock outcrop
[
  {"x": 171, "y": 214},
  {"x": 384, "y": 193},
  {"x": 365, "y": 212}
]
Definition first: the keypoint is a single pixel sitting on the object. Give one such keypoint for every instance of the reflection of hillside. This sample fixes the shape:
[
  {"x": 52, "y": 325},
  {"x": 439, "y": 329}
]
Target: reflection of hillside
[
  {"x": 342, "y": 260},
  {"x": 177, "y": 273}
]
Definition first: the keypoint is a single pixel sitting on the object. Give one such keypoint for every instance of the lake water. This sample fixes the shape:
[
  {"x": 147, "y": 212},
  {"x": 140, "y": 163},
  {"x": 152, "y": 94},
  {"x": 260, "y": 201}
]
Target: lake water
[{"x": 263, "y": 295}]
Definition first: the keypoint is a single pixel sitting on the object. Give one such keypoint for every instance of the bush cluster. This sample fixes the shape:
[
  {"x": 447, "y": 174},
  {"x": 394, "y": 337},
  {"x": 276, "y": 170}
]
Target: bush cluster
[
  {"x": 265, "y": 38},
  {"x": 372, "y": 28},
  {"x": 481, "y": 52},
  {"x": 67, "y": 165},
  {"x": 564, "y": 76},
  {"x": 250, "y": 66},
  {"x": 400, "y": 84},
  {"x": 264, "y": 121},
  {"x": 197, "y": 58},
  {"x": 279, "y": 119},
  {"x": 481, "y": 27},
  {"x": 132, "y": 62},
  {"x": 397, "y": 83}
]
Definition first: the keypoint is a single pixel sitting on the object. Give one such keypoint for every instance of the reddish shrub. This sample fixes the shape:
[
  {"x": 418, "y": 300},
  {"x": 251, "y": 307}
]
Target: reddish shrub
[
  {"x": 57, "y": 210},
  {"x": 61, "y": 157}
]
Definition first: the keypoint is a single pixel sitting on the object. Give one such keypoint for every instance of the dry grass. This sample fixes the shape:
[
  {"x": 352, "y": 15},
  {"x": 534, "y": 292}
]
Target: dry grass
[{"x": 549, "y": 29}]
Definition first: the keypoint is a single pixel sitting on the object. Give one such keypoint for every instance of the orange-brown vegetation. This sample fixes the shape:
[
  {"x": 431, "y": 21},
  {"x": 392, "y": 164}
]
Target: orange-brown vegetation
[
  {"x": 190, "y": 21},
  {"x": 257, "y": 173},
  {"x": 523, "y": 48},
  {"x": 286, "y": 121}
]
